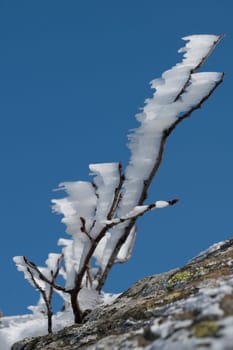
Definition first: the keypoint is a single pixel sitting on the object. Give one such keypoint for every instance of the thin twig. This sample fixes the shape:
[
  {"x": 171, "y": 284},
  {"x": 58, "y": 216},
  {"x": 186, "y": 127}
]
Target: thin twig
[
  {"x": 42, "y": 276},
  {"x": 46, "y": 300},
  {"x": 117, "y": 194},
  {"x": 84, "y": 229}
]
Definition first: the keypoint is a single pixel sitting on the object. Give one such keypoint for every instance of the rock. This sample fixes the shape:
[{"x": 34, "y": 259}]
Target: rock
[{"x": 186, "y": 308}]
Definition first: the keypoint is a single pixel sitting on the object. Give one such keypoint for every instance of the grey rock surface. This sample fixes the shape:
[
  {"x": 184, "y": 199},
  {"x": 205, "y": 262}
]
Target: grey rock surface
[{"x": 186, "y": 308}]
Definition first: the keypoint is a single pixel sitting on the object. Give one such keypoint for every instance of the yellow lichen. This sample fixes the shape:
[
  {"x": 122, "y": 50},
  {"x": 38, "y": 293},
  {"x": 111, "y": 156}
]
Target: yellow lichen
[
  {"x": 205, "y": 329},
  {"x": 172, "y": 296},
  {"x": 182, "y": 276}
]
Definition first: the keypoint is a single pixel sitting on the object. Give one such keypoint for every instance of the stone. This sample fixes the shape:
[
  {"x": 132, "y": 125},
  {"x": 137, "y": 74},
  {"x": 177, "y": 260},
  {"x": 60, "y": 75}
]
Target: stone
[{"x": 187, "y": 308}]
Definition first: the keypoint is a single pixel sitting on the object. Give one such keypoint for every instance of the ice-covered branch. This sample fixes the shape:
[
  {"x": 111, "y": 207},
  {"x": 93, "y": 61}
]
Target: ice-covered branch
[
  {"x": 117, "y": 195},
  {"x": 47, "y": 299},
  {"x": 126, "y": 250},
  {"x": 43, "y": 279},
  {"x": 167, "y": 132},
  {"x": 84, "y": 229},
  {"x": 178, "y": 93},
  {"x": 23, "y": 264},
  {"x": 198, "y": 63},
  {"x": 140, "y": 210},
  {"x": 100, "y": 215}
]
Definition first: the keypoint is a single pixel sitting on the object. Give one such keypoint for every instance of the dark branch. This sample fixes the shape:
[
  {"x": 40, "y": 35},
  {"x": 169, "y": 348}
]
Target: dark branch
[
  {"x": 117, "y": 195},
  {"x": 42, "y": 276},
  {"x": 84, "y": 229},
  {"x": 47, "y": 300},
  {"x": 95, "y": 189}
]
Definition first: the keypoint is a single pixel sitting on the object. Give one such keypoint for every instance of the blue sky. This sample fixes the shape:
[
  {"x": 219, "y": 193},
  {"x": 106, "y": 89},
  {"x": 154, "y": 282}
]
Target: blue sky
[{"x": 72, "y": 76}]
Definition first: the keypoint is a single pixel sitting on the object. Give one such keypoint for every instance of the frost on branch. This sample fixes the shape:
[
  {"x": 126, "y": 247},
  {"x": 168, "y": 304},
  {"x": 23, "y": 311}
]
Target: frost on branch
[
  {"x": 100, "y": 215},
  {"x": 42, "y": 279},
  {"x": 177, "y": 94}
]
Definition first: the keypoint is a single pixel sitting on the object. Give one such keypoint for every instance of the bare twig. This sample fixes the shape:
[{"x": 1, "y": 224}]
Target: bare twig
[{"x": 53, "y": 278}]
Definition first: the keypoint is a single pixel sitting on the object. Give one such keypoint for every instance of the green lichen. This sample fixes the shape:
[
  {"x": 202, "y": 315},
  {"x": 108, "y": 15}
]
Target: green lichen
[
  {"x": 172, "y": 296},
  {"x": 179, "y": 277},
  {"x": 205, "y": 329}
]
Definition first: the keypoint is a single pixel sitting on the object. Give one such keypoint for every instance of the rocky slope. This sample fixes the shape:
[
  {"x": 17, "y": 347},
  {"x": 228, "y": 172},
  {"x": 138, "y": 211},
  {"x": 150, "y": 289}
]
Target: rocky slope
[{"x": 187, "y": 308}]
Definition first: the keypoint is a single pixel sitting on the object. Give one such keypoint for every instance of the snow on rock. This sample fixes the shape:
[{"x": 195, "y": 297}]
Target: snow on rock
[
  {"x": 15, "y": 328},
  {"x": 89, "y": 299},
  {"x": 214, "y": 247}
]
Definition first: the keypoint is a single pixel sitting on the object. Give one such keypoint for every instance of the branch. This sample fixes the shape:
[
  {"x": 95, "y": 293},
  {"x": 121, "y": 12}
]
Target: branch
[
  {"x": 47, "y": 300},
  {"x": 37, "y": 285},
  {"x": 139, "y": 211},
  {"x": 95, "y": 189},
  {"x": 132, "y": 219},
  {"x": 148, "y": 181},
  {"x": 54, "y": 276},
  {"x": 167, "y": 133},
  {"x": 117, "y": 195},
  {"x": 42, "y": 276},
  {"x": 84, "y": 230},
  {"x": 59, "y": 260},
  {"x": 204, "y": 59}
]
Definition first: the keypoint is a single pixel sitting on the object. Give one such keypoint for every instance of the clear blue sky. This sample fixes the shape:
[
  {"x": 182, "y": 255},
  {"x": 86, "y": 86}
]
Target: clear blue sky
[{"x": 72, "y": 76}]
